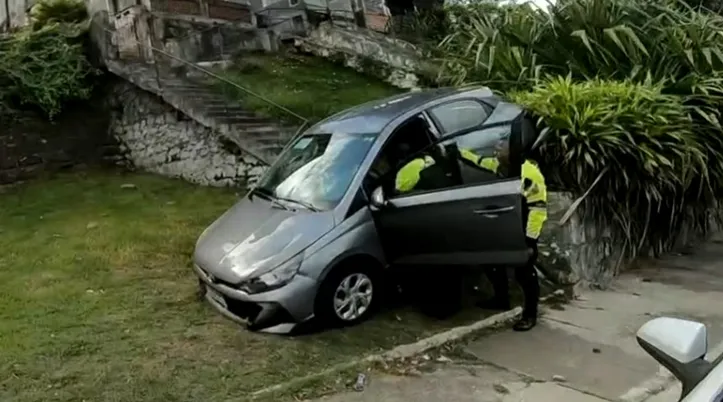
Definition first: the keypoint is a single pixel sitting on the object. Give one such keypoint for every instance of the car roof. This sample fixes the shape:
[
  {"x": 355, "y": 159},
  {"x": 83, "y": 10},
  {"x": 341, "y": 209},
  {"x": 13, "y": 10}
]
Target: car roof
[{"x": 372, "y": 117}]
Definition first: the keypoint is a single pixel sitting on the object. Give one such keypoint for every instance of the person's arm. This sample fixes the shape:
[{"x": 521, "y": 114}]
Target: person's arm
[
  {"x": 491, "y": 163},
  {"x": 408, "y": 176}
]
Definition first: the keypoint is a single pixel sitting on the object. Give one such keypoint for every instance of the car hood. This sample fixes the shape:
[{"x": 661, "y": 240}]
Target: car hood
[{"x": 254, "y": 237}]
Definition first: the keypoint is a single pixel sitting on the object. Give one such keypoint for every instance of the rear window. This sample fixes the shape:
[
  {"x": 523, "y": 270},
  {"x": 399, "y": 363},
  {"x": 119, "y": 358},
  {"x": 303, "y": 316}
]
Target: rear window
[{"x": 456, "y": 116}]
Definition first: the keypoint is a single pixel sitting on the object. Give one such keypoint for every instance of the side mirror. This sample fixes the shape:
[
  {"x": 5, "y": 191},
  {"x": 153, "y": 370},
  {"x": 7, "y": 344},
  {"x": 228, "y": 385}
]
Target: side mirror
[
  {"x": 680, "y": 346},
  {"x": 378, "y": 200}
]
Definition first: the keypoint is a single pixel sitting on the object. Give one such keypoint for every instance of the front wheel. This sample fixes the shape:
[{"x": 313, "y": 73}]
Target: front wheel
[{"x": 348, "y": 296}]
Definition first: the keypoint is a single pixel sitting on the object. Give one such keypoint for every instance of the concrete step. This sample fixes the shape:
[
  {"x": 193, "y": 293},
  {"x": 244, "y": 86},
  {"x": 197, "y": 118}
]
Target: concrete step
[
  {"x": 179, "y": 83},
  {"x": 234, "y": 112},
  {"x": 249, "y": 129},
  {"x": 191, "y": 91},
  {"x": 231, "y": 110},
  {"x": 260, "y": 141},
  {"x": 222, "y": 102},
  {"x": 236, "y": 116}
]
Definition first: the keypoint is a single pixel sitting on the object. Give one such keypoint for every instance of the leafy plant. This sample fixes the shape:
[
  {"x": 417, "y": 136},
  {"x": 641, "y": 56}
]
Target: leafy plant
[
  {"x": 631, "y": 149},
  {"x": 58, "y": 11},
  {"x": 44, "y": 68},
  {"x": 424, "y": 27},
  {"x": 517, "y": 45},
  {"x": 638, "y": 109}
]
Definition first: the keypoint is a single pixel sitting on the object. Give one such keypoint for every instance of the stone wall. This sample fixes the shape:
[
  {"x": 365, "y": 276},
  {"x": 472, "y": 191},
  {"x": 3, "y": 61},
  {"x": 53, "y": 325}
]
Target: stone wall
[
  {"x": 30, "y": 145},
  {"x": 159, "y": 139},
  {"x": 395, "y": 61},
  {"x": 14, "y": 13},
  {"x": 573, "y": 253},
  {"x": 215, "y": 9},
  {"x": 581, "y": 253},
  {"x": 200, "y": 41}
]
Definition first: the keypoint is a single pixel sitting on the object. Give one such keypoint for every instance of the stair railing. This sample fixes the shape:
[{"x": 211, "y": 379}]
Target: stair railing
[{"x": 206, "y": 72}]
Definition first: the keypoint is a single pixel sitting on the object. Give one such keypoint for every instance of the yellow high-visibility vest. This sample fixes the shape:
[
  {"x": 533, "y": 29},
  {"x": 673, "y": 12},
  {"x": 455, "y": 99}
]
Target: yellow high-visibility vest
[{"x": 409, "y": 175}]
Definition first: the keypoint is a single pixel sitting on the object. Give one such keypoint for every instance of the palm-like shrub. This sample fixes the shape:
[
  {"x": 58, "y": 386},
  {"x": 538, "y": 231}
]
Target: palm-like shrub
[
  {"x": 639, "y": 107},
  {"x": 628, "y": 147}
]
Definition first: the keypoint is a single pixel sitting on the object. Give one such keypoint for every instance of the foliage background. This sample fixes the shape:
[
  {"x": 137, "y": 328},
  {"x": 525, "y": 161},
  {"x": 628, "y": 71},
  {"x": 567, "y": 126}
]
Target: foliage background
[
  {"x": 632, "y": 91},
  {"x": 44, "y": 65}
]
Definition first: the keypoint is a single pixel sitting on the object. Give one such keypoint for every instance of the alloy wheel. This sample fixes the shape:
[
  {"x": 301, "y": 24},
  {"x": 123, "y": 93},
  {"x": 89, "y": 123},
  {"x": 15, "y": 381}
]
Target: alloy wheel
[{"x": 353, "y": 297}]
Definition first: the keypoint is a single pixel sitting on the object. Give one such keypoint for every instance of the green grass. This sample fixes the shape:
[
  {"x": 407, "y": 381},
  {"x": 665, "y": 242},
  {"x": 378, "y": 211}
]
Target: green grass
[
  {"x": 309, "y": 86},
  {"x": 98, "y": 301}
]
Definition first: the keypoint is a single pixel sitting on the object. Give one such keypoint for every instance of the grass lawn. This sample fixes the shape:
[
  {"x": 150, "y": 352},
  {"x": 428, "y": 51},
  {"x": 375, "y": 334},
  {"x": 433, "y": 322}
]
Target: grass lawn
[
  {"x": 309, "y": 86},
  {"x": 98, "y": 301}
]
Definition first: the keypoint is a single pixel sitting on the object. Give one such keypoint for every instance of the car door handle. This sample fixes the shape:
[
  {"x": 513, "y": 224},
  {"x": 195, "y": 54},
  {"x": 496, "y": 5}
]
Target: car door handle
[{"x": 493, "y": 210}]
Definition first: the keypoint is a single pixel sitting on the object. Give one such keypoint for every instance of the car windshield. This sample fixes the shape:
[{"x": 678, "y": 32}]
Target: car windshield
[{"x": 317, "y": 169}]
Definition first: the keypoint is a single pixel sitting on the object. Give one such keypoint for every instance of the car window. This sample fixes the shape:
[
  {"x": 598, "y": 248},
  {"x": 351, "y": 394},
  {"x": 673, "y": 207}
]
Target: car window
[
  {"x": 483, "y": 141},
  {"x": 459, "y": 115},
  {"x": 432, "y": 169},
  {"x": 504, "y": 112},
  {"x": 482, "y": 155},
  {"x": 317, "y": 169},
  {"x": 410, "y": 137}
]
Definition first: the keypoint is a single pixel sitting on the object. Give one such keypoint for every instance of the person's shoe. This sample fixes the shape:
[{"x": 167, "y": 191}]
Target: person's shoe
[
  {"x": 525, "y": 324},
  {"x": 494, "y": 304}
]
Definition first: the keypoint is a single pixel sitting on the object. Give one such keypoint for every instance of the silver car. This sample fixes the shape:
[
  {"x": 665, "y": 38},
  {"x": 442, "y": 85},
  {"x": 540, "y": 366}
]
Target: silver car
[{"x": 322, "y": 228}]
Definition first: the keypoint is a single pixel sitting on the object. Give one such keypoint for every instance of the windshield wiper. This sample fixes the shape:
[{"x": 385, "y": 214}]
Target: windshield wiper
[
  {"x": 304, "y": 204},
  {"x": 275, "y": 199},
  {"x": 269, "y": 196}
]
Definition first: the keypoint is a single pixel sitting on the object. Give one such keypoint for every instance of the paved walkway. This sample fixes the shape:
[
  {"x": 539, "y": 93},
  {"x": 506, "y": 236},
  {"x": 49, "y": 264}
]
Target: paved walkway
[{"x": 584, "y": 353}]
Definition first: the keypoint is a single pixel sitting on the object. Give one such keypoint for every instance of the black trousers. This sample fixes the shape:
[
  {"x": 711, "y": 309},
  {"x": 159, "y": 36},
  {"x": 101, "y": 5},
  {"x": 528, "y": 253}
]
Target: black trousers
[{"x": 526, "y": 276}]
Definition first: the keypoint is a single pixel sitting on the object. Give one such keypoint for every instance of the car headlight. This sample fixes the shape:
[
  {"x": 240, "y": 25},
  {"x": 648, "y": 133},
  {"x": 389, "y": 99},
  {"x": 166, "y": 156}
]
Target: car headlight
[{"x": 275, "y": 278}]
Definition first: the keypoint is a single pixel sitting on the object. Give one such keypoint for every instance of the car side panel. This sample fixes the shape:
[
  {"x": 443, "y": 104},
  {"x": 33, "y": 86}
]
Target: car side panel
[
  {"x": 479, "y": 225},
  {"x": 708, "y": 389},
  {"x": 355, "y": 236}
]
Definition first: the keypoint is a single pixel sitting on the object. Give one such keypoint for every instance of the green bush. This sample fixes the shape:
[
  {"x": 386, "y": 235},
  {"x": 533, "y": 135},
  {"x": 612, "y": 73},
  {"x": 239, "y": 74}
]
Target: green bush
[
  {"x": 629, "y": 146},
  {"x": 621, "y": 39},
  {"x": 639, "y": 107},
  {"x": 58, "y": 11},
  {"x": 45, "y": 65},
  {"x": 599, "y": 121}
]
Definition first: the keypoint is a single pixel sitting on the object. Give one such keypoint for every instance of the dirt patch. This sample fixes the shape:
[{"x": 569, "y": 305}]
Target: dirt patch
[{"x": 30, "y": 145}]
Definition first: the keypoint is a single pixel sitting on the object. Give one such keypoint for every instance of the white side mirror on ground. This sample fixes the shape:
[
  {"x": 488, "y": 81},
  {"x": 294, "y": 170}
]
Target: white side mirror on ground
[{"x": 680, "y": 346}]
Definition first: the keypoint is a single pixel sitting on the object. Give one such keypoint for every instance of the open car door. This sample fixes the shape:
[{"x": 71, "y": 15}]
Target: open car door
[{"x": 472, "y": 216}]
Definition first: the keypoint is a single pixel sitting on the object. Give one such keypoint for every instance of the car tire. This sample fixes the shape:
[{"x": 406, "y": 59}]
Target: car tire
[{"x": 364, "y": 291}]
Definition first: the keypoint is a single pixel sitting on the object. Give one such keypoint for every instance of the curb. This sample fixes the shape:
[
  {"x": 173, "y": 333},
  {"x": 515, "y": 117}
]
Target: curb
[
  {"x": 663, "y": 380},
  {"x": 411, "y": 349}
]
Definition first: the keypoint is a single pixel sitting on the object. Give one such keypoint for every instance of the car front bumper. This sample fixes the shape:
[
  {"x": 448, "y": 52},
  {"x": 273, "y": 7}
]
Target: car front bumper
[{"x": 290, "y": 304}]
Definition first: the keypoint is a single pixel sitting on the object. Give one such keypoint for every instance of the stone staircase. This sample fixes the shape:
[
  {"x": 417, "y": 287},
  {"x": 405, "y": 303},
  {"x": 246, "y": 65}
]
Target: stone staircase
[{"x": 252, "y": 134}]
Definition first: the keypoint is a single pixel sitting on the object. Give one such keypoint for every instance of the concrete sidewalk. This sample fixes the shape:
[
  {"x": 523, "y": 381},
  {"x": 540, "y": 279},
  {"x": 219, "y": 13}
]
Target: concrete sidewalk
[{"x": 586, "y": 352}]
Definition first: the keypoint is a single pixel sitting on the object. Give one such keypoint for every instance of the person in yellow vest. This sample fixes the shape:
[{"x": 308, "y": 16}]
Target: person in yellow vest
[
  {"x": 411, "y": 175},
  {"x": 534, "y": 192}
]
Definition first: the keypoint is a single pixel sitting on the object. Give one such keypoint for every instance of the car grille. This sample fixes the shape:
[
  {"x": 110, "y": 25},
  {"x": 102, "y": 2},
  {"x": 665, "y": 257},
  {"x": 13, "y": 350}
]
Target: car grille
[{"x": 245, "y": 310}]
